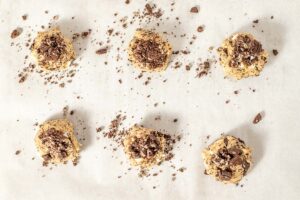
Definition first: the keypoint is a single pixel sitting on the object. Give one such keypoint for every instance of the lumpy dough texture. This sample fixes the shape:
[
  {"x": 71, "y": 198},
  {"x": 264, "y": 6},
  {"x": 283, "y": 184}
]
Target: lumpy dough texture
[
  {"x": 52, "y": 50},
  {"x": 149, "y": 51},
  {"x": 227, "y": 159},
  {"x": 56, "y": 142},
  {"x": 241, "y": 56},
  {"x": 145, "y": 147}
]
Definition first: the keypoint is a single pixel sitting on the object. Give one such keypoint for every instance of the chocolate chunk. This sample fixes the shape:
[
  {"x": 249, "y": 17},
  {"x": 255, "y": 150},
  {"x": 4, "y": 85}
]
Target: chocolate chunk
[
  {"x": 225, "y": 174},
  {"x": 235, "y": 151},
  {"x": 24, "y": 17},
  {"x": 246, "y": 51},
  {"x": 149, "y": 52},
  {"x": 52, "y": 48},
  {"x": 18, "y": 152},
  {"x": 246, "y": 166},
  {"x": 275, "y": 52},
  {"x": 237, "y": 160},
  {"x": 257, "y": 118},
  {"x": 225, "y": 141},
  {"x": 15, "y": 33},
  {"x": 56, "y": 142},
  {"x": 101, "y": 51},
  {"x": 146, "y": 147},
  {"x": 194, "y": 9},
  {"x": 200, "y": 29}
]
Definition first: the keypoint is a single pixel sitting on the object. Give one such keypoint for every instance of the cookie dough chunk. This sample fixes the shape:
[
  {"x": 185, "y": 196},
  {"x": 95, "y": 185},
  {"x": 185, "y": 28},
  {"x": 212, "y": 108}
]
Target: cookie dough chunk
[
  {"x": 146, "y": 147},
  {"x": 227, "y": 159},
  {"x": 52, "y": 50},
  {"x": 242, "y": 56},
  {"x": 56, "y": 142},
  {"x": 149, "y": 51}
]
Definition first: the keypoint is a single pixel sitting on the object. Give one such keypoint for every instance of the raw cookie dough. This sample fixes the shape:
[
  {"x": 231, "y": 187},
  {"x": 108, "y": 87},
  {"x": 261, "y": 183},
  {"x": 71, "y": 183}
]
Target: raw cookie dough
[
  {"x": 149, "y": 51},
  {"x": 227, "y": 159},
  {"x": 52, "y": 50},
  {"x": 56, "y": 142},
  {"x": 242, "y": 56},
  {"x": 146, "y": 147}
]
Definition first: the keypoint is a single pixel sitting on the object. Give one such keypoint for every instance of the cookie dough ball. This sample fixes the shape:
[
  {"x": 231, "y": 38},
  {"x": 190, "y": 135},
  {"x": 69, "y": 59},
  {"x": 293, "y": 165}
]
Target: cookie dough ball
[
  {"x": 56, "y": 142},
  {"x": 52, "y": 50},
  {"x": 149, "y": 51},
  {"x": 146, "y": 147},
  {"x": 227, "y": 159},
  {"x": 242, "y": 56}
]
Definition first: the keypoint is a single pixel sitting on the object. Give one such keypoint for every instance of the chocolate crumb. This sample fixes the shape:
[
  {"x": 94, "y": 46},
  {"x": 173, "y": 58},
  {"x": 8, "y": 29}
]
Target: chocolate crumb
[
  {"x": 182, "y": 169},
  {"x": 101, "y": 51},
  {"x": 275, "y": 52},
  {"x": 194, "y": 9},
  {"x": 24, "y": 17},
  {"x": 257, "y": 118},
  {"x": 175, "y": 120},
  {"x": 18, "y": 152},
  {"x": 227, "y": 101},
  {"x": 236, "y": 92},
  {"x": 200, "y": 29},
  {"x": 256, "y": 21},
  {"x": 55, "y": 17},
  {"x": 99, "y": 129},
  {"x": 16, "y": 32},
  {"x": 127, "y": 2}
]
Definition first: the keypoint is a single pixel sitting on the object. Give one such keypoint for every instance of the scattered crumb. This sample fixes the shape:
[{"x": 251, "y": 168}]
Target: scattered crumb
[
  {"x": 18, "y": 152},
  {"x": 16, "y": 32},
  {"x": 194, "y": 9},
  {"x": 200, "y": 29},
  {"x": 24, "y": 17},
  {"x": 257, "y": 118},
  {"x": 101, "y": 51},
  {"x": 275, "y": 52}
]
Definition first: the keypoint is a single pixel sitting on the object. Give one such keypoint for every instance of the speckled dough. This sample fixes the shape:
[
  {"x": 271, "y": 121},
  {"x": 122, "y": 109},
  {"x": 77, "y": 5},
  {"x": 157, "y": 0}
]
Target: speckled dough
[
  {"x": 227, "y": 159},
  {"x": 137, "y": 132},
  {"x": 51, "y": 149},
  {"x": 164, "y": 48},
  {"x": 65, "y": 57},
  {"x": 242, "y": 59}
]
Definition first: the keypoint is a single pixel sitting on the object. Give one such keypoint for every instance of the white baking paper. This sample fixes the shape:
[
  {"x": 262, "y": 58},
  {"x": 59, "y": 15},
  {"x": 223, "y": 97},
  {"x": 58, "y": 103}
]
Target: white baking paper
[{"x": 197, "y": 103}]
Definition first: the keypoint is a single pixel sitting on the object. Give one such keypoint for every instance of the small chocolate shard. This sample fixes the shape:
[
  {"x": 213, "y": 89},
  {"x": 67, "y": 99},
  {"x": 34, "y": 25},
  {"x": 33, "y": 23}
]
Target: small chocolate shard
[
  {"x": 275, "y": 52},
  {"x": 101, "y": 51},
  {"x": 16, "y": 32},
  {"x": 194, "y": 9},
  {"x": 257, "y": 118}
]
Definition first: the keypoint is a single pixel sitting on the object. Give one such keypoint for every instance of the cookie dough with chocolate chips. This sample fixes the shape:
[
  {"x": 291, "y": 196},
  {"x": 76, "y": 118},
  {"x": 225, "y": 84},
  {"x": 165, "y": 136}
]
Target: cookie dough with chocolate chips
[
  {"x": 149, "y": 51},
  {"x": 146, "y": 147},
  {"x": 227, "y": 159},
  {"x": 241, "y": 56},
  {"x": 56, "y": 142},
  {"x": 52, "y": 50}
]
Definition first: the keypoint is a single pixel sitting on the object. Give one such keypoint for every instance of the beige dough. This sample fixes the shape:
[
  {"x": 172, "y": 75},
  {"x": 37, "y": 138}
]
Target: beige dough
[
  {"x": 242, "y": 56},
  {"x": 146, "y": 147},
  {"x": 52, "y": 50},
  {"x": 148, "y": 51},
  {"x": 56, "y": 142},
  {"x": 227, "y": 159}
]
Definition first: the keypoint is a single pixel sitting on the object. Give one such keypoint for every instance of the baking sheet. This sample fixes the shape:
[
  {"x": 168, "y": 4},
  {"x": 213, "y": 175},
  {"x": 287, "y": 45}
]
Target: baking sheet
[{"x": 197, "y": 103}]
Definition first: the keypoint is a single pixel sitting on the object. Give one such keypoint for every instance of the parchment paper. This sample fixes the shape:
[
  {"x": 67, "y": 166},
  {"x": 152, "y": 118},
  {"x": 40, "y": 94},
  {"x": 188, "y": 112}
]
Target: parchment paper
[{"x": 197, "y": 103}]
